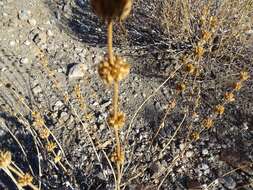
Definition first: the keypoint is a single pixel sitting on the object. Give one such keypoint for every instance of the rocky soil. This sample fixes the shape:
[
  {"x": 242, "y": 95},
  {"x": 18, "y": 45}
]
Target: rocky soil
[{"x": 73, "y": 40}]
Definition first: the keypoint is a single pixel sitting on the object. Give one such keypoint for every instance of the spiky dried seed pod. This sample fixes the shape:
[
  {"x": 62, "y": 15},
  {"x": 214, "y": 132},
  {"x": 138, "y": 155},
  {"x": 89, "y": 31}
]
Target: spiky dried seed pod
[
  {"x": 77, "y": 90},
  {"x": 5, "y": 159},
  {"x": 57, "y": 158},
  {"x": 38, "y": 120},
  {"x": 219, "y": 109},
  {"x": 237, "y": 85},
  {"x": 44, "y": 133},
  {"x": 213, "y": 22},
  {"x": 117, "y": 121},
  {"x": 180, "y": 87},
  {"x": 112, "y": 9},
  {"x": 207, "y": 123},
  {"x": 122, "y": 69},
  {"x": 190, "y": 68},
  {"x": 118, "y": 158},
  {"x": 25, "y": 180},
  {"x": 244, "y": 76},
  {"x": 230, "y": 97},
  {"x": 206, "y": 35},
  {"x": 114, "y": 72},
  {"x": 104, "y": 71},
  {"x": 195, "y": 136},
  {"x": 199, "y": 51},
  {"x": 51, "y": 146}
]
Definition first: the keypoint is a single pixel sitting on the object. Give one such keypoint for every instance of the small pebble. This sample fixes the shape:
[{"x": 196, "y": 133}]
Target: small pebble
[
  {"x": 58, "y": 105},
  {"x": 24, "y": 60},
  {"x": 228, "y": 182},
  {"x": 12, "y": 43},
  {"x": 27, "y": 43},
  {"x": 50, "y": 33},
  {"x": 181, "y": 146},
  {"x": 32, "y": 22},
  {"x": 204, "y": 151},
  {"x": 37, "y": 89},
  {"x": 24, "y": 14},
  {"x": 189, "y": 154}
]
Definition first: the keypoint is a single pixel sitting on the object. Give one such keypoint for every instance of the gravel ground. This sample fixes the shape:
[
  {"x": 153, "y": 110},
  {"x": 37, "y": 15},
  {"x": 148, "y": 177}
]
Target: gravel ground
[{"x": 73, "y": 39}]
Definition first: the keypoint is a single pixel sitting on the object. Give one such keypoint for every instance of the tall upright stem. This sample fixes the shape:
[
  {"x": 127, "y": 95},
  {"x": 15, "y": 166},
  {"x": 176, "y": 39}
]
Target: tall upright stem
[
  {"x": 109, "y": 41},
  {"x": 115, "y": 103},
  {"x": 115, "y": 98}
]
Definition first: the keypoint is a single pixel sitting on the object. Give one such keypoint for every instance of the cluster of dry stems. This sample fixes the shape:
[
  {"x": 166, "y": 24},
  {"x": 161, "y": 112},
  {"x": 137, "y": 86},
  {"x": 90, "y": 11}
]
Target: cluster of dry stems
[{"x": 185, "y": 21}]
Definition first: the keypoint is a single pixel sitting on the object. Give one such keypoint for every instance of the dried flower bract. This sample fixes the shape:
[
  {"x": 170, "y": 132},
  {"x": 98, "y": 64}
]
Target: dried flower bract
[
  {"x": 117, "y": 120},
  {"x": 5, "y": 159},
  {"x": 208, "y": 123},
  {"x": 114, "y": 72},
  {"x": 118, "y": 158},
  {"x": 25, "y": 180},
  {"x": 230, "y": 97},
  {"x": 219, "y": 109}
]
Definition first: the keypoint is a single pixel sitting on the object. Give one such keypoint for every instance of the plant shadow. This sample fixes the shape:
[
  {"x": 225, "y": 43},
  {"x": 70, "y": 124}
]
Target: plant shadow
[{"x": 78, "y": 21}]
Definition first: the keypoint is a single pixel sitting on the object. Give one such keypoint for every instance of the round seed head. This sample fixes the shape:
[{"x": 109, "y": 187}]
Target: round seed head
[
  {"x": 44, "y": 133},
  {"x": 51, "y": 146},
  {"x": 117, "y": 121},
  {"x": 190, "y": 68},
  {"x": 118, "y": 158},
  {"x": 219, "y": 109},
  {"x": 237, "y": 85},
  {"x": 122, "y": 69},
  {"x": 25, "y": 180},
  {"x": 244, "y": 76},
  {"x": 199, "y": 51},
  {"x": 195, "y": 136},
  {"x": 57, "y": 158},
  {"x": 181, "y": 87},
  {"x": 114, "y": 72},
  {"x": 213, "y": 22},
  {"x": 206, "y": 35},
  {"x": 229, "y": 97},
  {"x": 208, "y": 123}
]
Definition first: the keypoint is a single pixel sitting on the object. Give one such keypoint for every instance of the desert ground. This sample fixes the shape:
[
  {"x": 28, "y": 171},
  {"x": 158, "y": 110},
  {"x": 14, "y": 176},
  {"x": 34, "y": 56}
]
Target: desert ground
[{"x": 49, "y": 57}]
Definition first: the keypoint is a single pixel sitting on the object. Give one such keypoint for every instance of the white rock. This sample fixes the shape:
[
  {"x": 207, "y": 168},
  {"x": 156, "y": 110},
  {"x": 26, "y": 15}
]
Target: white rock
[
  {"x": 50, "y": 33},
  {"x": 24, "y": 60},
  {"x": 32, "y": 22},
  {"x": 27, "y": 43},
  {"x": 182, "y": 146},
  {"x": 37, "y": 89},
  {"x": 58, "y": 105},
  {"x": 204, "y": 167},
  {"x": 249, "y": 32},
  {"x": 204, "y": 151},
  {"x": 24, "y": 14},
  {"x": 3, "y": 69},
  {"x": 12, "y": 43},
  {"x": 77, "y": 71},
  {"x": 64, "y": 116}
]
